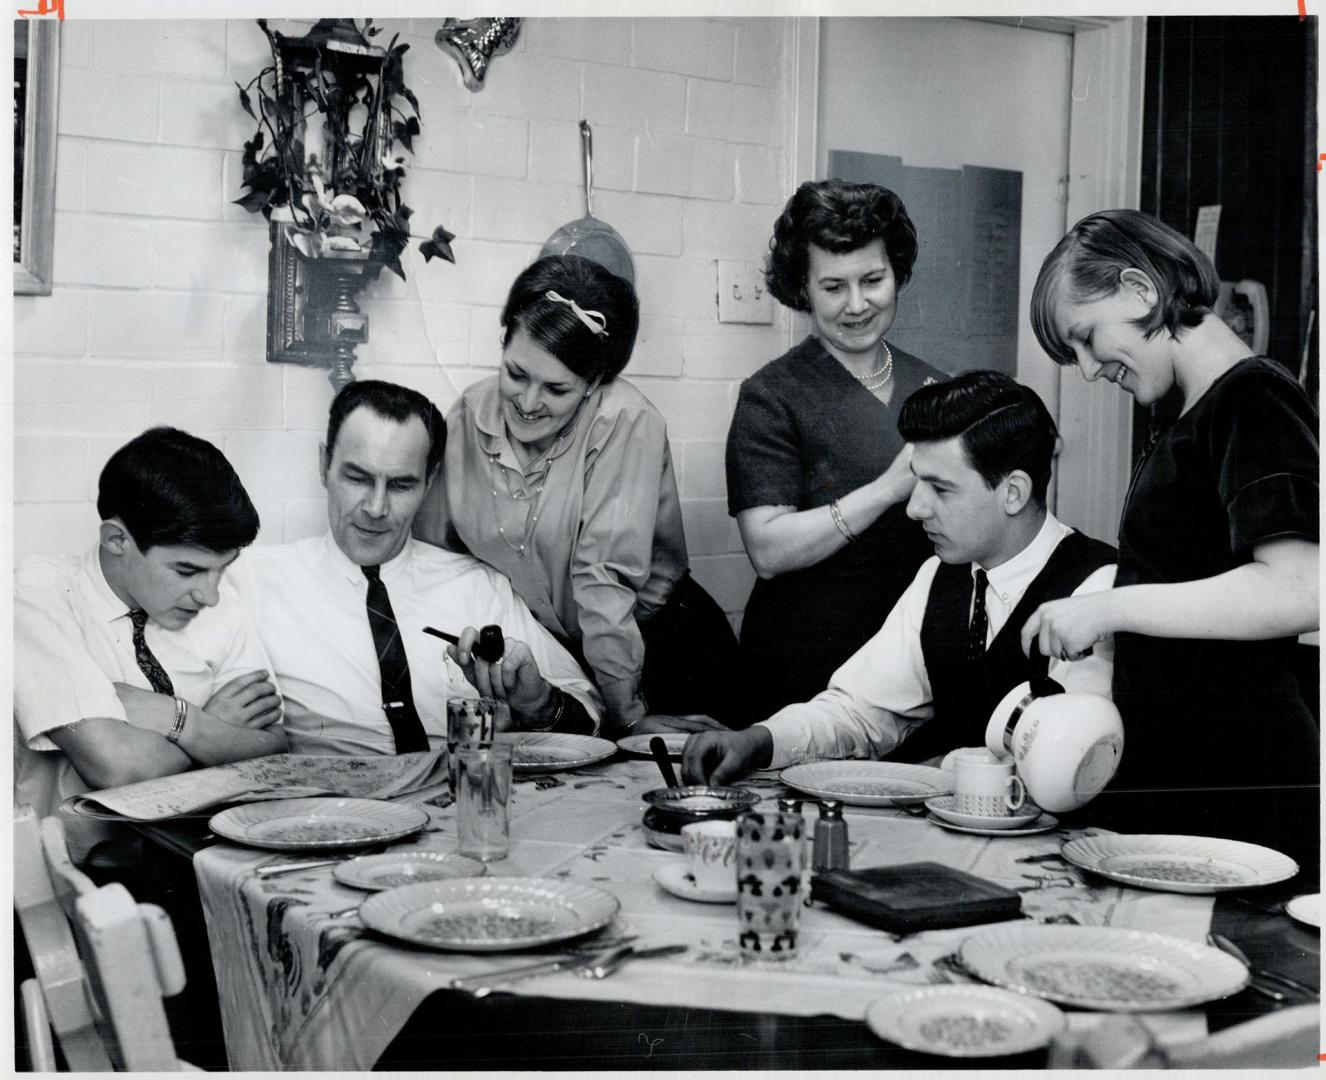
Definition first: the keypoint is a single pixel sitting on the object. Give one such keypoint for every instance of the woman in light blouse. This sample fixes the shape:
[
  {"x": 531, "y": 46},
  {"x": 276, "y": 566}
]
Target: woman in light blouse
[{"x": 558, "y": 473}]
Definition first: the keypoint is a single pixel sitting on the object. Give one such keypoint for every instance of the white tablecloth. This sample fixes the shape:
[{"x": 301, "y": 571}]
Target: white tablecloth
[{"x": 302, "y": 990}]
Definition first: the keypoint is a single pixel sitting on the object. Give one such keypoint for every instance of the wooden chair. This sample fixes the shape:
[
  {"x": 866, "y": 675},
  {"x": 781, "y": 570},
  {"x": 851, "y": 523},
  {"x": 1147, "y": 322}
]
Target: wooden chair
[{"x": 103, "y": 962}]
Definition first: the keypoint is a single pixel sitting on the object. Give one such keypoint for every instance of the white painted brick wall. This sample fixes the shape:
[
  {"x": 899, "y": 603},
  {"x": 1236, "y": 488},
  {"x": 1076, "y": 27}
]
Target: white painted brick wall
[{"x": 159, "y": 309}]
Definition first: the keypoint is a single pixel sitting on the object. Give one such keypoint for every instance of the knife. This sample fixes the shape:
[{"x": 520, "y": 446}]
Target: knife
[{"x": 1225, "y": 945}]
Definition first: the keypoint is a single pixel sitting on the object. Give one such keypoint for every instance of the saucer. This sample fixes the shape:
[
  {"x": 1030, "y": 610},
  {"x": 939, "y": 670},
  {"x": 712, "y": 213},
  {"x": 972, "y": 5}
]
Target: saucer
[
  {"x": 942, "y": 807},
  {"x": 1043, "y": 823},
  {"x": 677, "y": 879}
]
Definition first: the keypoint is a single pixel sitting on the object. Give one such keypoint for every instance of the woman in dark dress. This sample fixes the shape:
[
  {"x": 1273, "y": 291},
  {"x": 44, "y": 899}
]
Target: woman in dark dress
[
  {"x": 817, "y": 475},
  {"x": 1218, "y": 565}
]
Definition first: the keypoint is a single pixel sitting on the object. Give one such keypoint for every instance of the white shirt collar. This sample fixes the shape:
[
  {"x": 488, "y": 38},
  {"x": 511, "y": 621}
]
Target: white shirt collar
[
  {"x": 100, "y": 596},
  {"x": 339, "y": 562},
  {"x": 1010, "y": 579}
]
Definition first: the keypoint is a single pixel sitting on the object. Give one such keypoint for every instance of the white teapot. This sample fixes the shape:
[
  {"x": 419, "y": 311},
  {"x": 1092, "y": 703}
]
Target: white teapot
[{"x": 1066, "y": 747}]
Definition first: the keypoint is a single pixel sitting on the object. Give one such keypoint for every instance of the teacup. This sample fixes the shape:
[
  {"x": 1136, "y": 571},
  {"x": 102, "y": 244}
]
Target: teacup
[
  {"x": 986, "y": 786},
  {"x": 711, "y": 847}
]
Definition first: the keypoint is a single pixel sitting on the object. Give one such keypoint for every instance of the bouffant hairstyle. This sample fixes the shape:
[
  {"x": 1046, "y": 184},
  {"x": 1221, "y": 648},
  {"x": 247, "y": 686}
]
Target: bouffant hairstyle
[
  {"x": 1003, "y": 425},
  {"x": 170, "y": 488},
  {"x": 837, "y": 216},
  {"x": 391, "y": 402},
  {"x": 1088, "y": 262},
  {"x": 556, "y": 328}
]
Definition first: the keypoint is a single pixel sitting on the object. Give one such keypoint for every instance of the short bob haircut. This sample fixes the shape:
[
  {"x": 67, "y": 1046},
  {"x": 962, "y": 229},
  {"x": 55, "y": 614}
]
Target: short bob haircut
[
  {"x": 391, "y": 402},
  {"x": 837, "y": 216},
  {"x": 170, "y": 488},
  {"x": 1087, "y": 263},
  {"x": 557, "y": 329},
  {"x": 1003, "y": 425}
]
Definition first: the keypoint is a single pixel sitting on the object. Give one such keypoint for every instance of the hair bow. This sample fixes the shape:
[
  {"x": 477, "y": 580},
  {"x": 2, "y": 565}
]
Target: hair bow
[{"x": 598, "y": 325}]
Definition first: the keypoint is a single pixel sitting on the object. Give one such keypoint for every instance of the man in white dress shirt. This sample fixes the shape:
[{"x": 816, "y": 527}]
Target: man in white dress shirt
[
  {"x": 926, "y": 683},
  {"x": 134, "y": 659},
  {"x": 342, "y": 614}
]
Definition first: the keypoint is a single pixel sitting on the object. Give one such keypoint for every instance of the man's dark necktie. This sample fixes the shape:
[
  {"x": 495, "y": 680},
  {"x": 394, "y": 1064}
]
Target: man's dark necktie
[
  {"x": 397, "y": 697},
  {"x": 979, "y": 623},
  {"x": 148, "y": 664}
]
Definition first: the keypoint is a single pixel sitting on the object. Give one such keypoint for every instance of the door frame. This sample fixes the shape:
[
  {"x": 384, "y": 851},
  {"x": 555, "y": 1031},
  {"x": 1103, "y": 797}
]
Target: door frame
[{"x": 1109, "y": 55}]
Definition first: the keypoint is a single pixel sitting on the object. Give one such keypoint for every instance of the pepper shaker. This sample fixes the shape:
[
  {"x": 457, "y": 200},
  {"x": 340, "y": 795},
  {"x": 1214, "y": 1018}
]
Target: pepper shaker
[{"x": 830, "y": 852}]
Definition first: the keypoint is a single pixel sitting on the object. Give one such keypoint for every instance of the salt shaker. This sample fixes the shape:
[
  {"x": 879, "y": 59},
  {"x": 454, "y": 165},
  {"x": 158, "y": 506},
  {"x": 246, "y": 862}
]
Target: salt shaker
[{"x": 830, "y": 852}]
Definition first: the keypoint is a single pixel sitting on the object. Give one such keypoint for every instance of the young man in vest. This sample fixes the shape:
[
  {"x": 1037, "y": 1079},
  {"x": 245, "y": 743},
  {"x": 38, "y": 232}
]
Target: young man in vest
[{"x": 982, "y": 446}]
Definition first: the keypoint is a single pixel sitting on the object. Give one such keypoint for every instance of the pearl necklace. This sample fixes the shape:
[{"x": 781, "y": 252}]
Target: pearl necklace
[
  {"x": 531, "y": 496},
  {"x": 881, "y": 374}
]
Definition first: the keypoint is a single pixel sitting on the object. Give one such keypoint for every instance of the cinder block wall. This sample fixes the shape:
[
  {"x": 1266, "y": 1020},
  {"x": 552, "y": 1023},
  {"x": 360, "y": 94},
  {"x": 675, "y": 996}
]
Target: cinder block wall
[{"x": 159, "y": 308}]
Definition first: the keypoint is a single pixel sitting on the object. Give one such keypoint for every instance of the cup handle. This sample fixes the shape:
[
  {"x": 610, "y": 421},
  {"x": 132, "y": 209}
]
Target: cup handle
[{"x": 1015, "y": 802}]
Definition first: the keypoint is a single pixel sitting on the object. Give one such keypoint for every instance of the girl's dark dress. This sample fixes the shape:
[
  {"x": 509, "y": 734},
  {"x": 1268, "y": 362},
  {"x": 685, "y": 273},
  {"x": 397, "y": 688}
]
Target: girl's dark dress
[
  {"x": 806, "y": 432},
  {"x": 1219, "y": 734}
]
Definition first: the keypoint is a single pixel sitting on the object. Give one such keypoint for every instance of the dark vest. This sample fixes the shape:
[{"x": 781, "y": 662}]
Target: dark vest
[{"x": 965, "y": 693}]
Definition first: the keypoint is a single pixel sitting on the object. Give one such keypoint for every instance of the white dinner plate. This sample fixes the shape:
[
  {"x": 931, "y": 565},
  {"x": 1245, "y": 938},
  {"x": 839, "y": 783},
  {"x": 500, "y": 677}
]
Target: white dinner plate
[
  {"x": 964, "y": 1021},
  {"x": 317, "y": 824},
  {"x": 378, "y": 872},
  {"x": 1182, "y": 864},
  {"x": 554, "y": 751},
  {"x": 1042, "y": 824},
  {"x": 1105, "y": 968},
  {"x": 868, "y": 783},
  {"x": 488, "y": 914},
  {"x": 677, "y": 879},
  {"x": 943, "y": 807},
  {"x": 638, "y": 745},
  {"x": 1306, "y": 909}
]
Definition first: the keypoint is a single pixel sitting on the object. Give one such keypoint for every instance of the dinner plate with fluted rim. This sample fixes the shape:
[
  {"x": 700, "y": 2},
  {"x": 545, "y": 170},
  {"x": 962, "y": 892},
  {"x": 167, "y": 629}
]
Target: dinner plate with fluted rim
[
  {"x": 1182, "y": 864},
  {"x": 396, "y": 868},
  {"x": 1106, "y": 968},
  {"x": 638, "y": 745},
  {"x": 488, "y": 914},
  {"x": 318, "y": 824},
  {"x": 942, "y": 807},
  {"x": 868, "y": 783},
  {"x": 1306, "y": 909},
  {"x": 554, "y": 751},
  {"x": 964, "y": 1021}
]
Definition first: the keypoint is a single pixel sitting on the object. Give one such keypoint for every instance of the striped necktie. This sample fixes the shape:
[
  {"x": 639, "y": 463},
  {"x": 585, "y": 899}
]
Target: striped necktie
[
  {"x": 148, "y": 664},
  {"x": 394, "y": 668}
]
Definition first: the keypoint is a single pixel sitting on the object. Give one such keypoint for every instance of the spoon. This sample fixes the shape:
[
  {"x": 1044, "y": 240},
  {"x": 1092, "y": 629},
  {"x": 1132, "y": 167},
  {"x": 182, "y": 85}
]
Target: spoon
[{"x": 659, "y": 749}]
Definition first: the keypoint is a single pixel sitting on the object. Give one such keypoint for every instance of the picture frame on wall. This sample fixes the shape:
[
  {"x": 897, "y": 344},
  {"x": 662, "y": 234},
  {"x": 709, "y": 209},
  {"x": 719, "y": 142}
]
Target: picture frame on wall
[{"x": 36, "y": 103}]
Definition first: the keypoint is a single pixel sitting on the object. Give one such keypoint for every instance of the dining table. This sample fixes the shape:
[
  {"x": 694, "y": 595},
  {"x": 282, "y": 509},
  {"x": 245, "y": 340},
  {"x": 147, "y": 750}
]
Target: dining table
[{"x": 305, "y": 985}]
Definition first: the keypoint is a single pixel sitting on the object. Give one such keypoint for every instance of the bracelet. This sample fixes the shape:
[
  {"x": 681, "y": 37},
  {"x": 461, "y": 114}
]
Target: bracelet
[
  {"x": 840, "y": 521},
  {"x": 181, "y": 714},
  {"x": 557, "y": 713}
]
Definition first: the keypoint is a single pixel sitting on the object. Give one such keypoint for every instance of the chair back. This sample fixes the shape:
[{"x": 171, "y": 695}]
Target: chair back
[{"x": 116, "y": 958}]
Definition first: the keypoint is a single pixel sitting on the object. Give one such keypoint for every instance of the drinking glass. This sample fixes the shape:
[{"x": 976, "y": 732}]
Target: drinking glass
[
  {"x": 472, "y": 722},
  {"x": 483, "y": 778},
  {"x": 771, "y": 865}
]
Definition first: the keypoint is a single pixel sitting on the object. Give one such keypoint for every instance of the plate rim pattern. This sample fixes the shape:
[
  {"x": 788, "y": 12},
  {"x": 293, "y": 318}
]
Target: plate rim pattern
[
  {"x": 986, "y": 954},
  {"x": 938, "y": 780},
  {"x": 223, "y": 823},
  {"x": 1047, "y": 1017},
  {"x": 375, "y": 918},
  {"x": 1087, "y": 853}
]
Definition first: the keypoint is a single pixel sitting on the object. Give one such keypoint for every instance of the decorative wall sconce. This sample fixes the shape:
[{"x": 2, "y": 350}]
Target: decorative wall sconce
[
  {"x": 474, "y": 42},
  {"x": 322, "y": 169}
]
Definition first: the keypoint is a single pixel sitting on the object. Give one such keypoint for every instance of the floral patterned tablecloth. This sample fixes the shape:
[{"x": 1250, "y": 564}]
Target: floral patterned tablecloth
[{"x": 305, "y": 986}]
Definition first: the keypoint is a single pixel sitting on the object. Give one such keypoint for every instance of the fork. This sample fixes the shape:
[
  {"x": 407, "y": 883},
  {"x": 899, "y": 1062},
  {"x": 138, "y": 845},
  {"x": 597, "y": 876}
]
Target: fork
[{"x": 604, "y": 967}]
